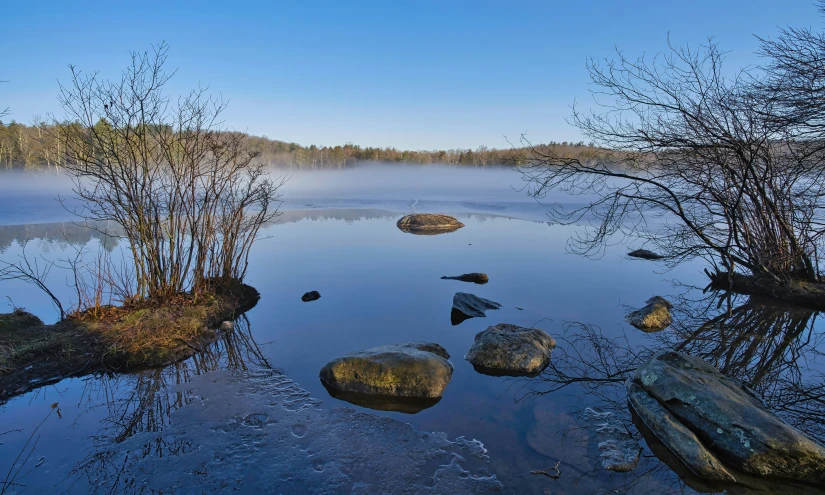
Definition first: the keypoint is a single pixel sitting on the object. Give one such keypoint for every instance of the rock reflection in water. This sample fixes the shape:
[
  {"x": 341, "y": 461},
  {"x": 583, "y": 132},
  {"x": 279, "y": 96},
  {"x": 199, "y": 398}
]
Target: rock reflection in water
[
  {"x": 773, "y": 349},
  {"x": 407, "y": 405}
]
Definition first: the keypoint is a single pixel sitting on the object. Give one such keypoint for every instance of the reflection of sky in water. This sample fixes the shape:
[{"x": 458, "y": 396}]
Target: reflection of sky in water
[{"x": 379, "y": 286}]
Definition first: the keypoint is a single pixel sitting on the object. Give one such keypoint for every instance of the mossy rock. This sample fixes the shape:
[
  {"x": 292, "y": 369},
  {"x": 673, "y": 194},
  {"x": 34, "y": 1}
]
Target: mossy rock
[
  {"x": 652, "y": 318},
  {"x": 507, "y": 349},
  {"x": 415, "y": 369},
  {"x": 428, "y": 224}
]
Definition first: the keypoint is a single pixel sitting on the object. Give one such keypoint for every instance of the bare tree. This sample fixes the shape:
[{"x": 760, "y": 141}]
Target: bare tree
[
  {"x": 31, "y": 271},
  {"x": 189, "y": 195},
  {"x": 698, "y": 165}
]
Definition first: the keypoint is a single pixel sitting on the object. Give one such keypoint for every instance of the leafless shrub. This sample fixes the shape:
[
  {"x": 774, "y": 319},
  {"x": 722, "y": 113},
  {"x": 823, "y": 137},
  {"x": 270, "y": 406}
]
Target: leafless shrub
[
  {"x": 188, "y": 194},
  {"x": 699, "y": 165}
]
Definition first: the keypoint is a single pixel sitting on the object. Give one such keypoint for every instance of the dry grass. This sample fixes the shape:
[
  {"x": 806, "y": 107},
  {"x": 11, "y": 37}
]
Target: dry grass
[
  {"x": 150, "y": 334},
  {"x": 110, "y": 337}
]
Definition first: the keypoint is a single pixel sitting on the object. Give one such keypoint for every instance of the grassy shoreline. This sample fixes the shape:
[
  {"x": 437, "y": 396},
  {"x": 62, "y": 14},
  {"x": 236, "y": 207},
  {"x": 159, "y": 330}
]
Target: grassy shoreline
[{"x": 123, "y": 338}]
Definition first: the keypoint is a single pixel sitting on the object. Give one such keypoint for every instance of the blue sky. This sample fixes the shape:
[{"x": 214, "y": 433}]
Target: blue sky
[{"x": 413, "y": 75}]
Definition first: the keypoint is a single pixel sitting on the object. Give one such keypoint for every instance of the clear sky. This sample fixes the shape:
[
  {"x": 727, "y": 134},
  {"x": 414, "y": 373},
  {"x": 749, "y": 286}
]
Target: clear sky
[{"x": 413, "y": 75}]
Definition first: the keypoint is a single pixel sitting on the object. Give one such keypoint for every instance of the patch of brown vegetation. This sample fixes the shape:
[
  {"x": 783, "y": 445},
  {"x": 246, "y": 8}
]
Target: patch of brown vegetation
[{"x": 135, "y": 335}]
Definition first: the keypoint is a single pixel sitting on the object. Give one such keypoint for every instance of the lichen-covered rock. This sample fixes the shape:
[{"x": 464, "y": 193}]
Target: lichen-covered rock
[
  {"x": 700, "y": 414},
  {"x": 511, "y": 350},
  {"x": 682, "y": 442},
  {"x": 467, "y": 306},
  {"x": 428, "y": 224},
  {"x": 476, "y": 278},
  {"x": 652, "y": 318},
  {"x": 645, "y": 254},
  {"x": 415, "y": 369}
]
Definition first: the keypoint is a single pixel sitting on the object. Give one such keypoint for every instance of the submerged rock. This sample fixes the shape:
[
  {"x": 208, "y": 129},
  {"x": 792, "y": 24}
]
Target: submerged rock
[
  {"x": 428, "y": 224},
  {"x": 311, "y": 296},
  {"x": 476, "y": 278},
  {"x": 466, "y": 306},
  {"x": 507, "y": 349},
  {"x": 645, "y": 254},
  {"x": 211, "y": 446},
  {"x": 652, "y": 318},
  {"x": 620, "y": 452},
  {"x": 415, "y": 369},
  {"x": 704, "y": 417}
]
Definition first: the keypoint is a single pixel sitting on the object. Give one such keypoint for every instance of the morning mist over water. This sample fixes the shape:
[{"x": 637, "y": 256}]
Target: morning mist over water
[{"x": 33, "y": 197}]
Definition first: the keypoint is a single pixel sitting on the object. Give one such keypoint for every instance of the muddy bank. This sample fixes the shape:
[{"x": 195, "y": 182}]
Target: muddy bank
[{"x": 130, "y": 337}]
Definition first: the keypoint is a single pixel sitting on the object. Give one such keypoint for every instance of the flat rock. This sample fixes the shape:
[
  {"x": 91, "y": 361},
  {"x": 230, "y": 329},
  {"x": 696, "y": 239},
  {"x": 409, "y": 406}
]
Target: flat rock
[
  {"x": 428, "y": 224},
  {"x": 705, "y": 418},
  {"x": 311, "y": 296},
  {"x": 652, "y": 318},
  {"x": 476, "y": 278},
  {"x": 415, "y": 369},
  {"x": 467, "y": 306},
  {"x": 645, "y": 254},
  {"x": 507, "y": 349}
]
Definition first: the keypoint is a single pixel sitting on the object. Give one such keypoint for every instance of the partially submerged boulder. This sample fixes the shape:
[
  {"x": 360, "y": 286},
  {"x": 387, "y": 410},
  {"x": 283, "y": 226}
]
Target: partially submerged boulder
[
  {"x": 466, "y": 306},
  {"x": 507, "y": 349},
  {"x": 313, "y": 295},
  {"x": 706, "y": 418},
  {"x": 476, "y": 278},
  {"x": 428, "y": 224},
  {"x": 414, "y": 369},
  {"x": 645, "y": 254},
  {"x": 652, "y": 318}
]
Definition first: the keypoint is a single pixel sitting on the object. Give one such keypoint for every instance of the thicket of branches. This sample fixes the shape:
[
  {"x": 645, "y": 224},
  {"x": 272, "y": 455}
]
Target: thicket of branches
[
  {"x": 703, "y": 163},
  {"x": 188, "y": 195}
]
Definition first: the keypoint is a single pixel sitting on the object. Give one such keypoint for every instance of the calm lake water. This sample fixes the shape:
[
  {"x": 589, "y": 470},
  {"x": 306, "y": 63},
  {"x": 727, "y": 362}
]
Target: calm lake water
[{"x": 381, "y": 286}]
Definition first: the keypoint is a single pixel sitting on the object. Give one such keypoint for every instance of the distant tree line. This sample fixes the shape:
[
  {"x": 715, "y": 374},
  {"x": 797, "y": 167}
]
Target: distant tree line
[{"x": 41, "y": 146}]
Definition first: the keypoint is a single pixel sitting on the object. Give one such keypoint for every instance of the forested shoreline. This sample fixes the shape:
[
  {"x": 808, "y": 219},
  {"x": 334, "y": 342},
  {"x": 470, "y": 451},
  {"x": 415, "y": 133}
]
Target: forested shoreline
[{"x": 41, "y": 147}]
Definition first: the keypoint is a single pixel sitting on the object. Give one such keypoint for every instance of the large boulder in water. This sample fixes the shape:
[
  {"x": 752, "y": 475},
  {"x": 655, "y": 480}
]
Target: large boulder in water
[
  {"x": 652, "y": 318},
  {"x": 466, "y": 306},
  {"x": 507, "y": 349},
  {"x": 706, "y": 418},
  {"x": 415, "y": 369},
  {"x": 428, "y": 224}
]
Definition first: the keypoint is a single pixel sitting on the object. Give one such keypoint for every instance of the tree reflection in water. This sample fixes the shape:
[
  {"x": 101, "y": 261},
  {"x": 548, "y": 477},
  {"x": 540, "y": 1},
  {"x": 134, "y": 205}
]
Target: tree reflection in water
[
  {"x": 144, "y": 401},
  {"x": 775, "y": 349}
]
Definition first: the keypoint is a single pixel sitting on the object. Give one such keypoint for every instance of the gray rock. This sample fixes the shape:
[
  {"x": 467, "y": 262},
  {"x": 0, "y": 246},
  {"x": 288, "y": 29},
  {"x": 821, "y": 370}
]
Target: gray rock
[
  {"x": 645, "y": 254},
  {"x": 507, "y": 349},
  {"x": 415, "y": 369},
  {"x": 428, "y": 224},
  {"x": 688, "y": 448},
  {"x": 476, "y": 278},
  {"x": 652, "y": 318},
  {"x": 704, "y": 417},
  {"x": 467, "y": 306},
  {"x": 227, "y": 326}
]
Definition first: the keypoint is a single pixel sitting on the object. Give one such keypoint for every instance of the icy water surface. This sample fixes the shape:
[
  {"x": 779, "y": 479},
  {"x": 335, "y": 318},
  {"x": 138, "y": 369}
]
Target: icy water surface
[{"x": 251, "y": 415}]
